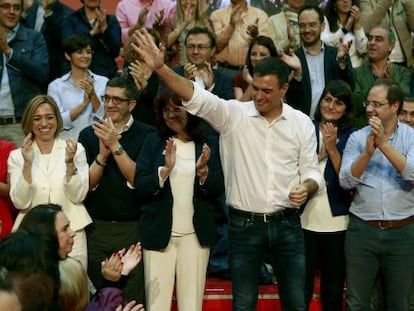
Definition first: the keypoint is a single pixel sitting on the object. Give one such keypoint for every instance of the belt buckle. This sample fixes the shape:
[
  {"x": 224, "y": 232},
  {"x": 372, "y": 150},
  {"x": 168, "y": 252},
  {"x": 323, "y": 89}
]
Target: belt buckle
[
  {"x": 382, "y": 226},
  {"x": 266, "y": 219}
]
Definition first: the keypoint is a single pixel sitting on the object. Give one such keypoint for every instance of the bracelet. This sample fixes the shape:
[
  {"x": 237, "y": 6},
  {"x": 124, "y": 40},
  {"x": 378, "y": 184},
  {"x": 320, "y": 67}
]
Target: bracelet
[{"x": 99, "y": 163}]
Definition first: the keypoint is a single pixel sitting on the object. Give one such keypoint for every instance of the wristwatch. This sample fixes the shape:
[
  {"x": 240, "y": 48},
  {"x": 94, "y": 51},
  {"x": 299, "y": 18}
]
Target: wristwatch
[{"x": 120, "y": 150}]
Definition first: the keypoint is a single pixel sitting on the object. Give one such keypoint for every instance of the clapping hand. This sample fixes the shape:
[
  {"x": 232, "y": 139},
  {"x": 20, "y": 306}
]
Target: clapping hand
[
  {"x": 71, "y": 147},
  {"x": 201, "y": 165},
  {"x": 144, "y": 45},
  {"x": 27, "y": 148}
]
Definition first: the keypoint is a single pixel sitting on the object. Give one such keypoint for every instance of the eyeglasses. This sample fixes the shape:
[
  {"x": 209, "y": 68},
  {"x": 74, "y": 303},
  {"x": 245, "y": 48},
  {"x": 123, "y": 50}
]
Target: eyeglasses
[
  {"x": 115, "y": 99},
  {"x": 172, "y": 112},
  {"x": 9, "y": 6},
  {"x": 201, "y": 47},
  {"x": 373, "y": 104}
]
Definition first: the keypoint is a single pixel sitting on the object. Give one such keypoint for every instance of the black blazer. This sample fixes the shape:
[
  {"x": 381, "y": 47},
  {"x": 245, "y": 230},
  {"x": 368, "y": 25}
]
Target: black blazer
[
  {"x": 156, "y": 202},
  {"x": 299, "y": 94}
]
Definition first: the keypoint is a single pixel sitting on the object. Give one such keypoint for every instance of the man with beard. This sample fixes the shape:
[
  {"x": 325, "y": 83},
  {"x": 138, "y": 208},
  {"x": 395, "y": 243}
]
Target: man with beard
[{"x": 319, "y": 63}]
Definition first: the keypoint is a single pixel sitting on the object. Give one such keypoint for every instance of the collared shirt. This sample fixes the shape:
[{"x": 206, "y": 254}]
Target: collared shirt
[
  {"x": 127, "y": 12},
  {"x": 261, "y": 161},
  {"x": 381, "y": 192},
  {"x": 6, "y": 100},
  {"x": 316, "y": 68},
  {"x": 68, "y": 96},
  {"x": 236, "y": 43}
]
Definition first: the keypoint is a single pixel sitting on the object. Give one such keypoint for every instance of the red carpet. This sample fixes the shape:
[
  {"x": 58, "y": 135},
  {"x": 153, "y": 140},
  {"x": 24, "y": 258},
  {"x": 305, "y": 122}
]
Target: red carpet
[{"x": 217, "y": 297}]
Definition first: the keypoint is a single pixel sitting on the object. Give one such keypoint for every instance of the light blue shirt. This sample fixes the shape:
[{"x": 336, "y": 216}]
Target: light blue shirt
[
  {"x": 67, "y": 96},
  {"x": 381, "y": 193},
  {"x": 316, "y": 68}
]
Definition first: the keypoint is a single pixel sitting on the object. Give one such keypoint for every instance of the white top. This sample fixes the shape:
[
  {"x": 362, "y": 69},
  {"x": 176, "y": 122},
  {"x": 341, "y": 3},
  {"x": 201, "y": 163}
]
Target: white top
[
  {"x": 317, "y": 215},
  {"x": 261, "y": 161},
  {"x": 49, "y": 183},
  {"x": 359, "y": 40},
  {"x": 68, "y": 95},
  {"x": 182, "y": 187}
]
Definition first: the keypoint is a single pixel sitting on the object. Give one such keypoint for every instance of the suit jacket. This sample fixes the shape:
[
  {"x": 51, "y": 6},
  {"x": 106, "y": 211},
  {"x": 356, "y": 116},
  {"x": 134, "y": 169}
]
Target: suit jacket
[
  {"x": 299, "y": 94},
  {"x": 28, "y": 68},
  {"x": 51, "y": 31},
  {"x": 157, "y": 202},
  {"x": 339, "y": 199},
  {"x": 223, "y": 83},
  {"x": 106, "y": 46},
  {"x": 49, "y": 184}
]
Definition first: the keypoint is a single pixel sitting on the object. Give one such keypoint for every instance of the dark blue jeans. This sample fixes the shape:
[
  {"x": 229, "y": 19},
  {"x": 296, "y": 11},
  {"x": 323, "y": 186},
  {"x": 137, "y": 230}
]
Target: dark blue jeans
[
  {"x": 369, "y": 250},
  {"x": 283, "y": 242}
]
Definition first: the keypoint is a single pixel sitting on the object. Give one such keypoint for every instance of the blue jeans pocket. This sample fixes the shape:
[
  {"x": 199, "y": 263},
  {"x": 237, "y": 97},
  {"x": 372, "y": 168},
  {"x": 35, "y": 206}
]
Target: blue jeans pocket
[{"x": 239, "y": 224}]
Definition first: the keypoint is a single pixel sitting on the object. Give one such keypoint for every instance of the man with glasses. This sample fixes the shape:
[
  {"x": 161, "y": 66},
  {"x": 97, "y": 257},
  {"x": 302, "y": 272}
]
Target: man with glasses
[
  {"x": 200, "y": 47},
  {"x": 378, "y": 66},
  {"x": 378, "y": 162},
  {"x": 24, "y": 68},
  {"x": 112, "y": 146}
]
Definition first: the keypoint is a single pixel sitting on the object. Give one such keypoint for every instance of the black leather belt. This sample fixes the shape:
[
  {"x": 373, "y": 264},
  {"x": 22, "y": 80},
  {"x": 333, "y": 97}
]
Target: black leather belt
[
  {"x": 263, "y": 217},
  {"x": 228, "y": 66},
  {"x": 9, "y": 120}
]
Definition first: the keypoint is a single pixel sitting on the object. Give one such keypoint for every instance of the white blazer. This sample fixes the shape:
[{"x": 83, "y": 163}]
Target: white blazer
[{"x": 49, "y": 183}]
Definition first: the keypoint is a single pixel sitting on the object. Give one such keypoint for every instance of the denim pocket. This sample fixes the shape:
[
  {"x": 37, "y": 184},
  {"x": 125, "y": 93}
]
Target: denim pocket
[
  {"x": 292, "y": 220},
  {"x": 239, "y": 224}
]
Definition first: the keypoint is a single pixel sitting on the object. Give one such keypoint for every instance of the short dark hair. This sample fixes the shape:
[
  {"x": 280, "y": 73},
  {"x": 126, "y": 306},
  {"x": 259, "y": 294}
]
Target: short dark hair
[
  {"x": 341, "y": 90},
  {"x": 201, "y": 30},
  {"x": 394, "y": 92},
  {"x": 127, "y": 83},
  {"x": 194, "y": 124},
  {"x": 76, "y": 42},
  {"x": 272, "y": 66},
  {"x": 391, "y": 35},
  {"x": 311, "y": 7},
  {"x": 263, "y": 41}
]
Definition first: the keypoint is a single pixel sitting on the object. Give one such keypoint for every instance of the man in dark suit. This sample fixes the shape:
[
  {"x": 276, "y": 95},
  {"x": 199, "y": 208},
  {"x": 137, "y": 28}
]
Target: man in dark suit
[
  {"x": 319, "y": 63},
  {"x": 46, "y": 16}
]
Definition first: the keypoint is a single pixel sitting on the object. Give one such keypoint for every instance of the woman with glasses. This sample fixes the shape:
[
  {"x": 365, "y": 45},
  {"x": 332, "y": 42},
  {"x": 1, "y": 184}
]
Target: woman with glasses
[
  {"x": 325, "y": 216},
  {"x": 178, "y": 178},
  {"x": 48, "y": 169},
  {"x": 78, "y": 92}
]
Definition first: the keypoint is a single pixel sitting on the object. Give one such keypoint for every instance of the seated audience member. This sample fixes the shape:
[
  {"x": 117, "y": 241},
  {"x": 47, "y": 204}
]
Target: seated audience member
[
  {"x": 31, "y": 255},
  {"x": 190, "y": 14},
  {"x": 46, "y": 16},
  {"x": 235, "y": 26},
  {"x": 74, "y": 283},
  {"x": 284, "y": 27},
  {"x": 398, "y": 17},
  {"x": 325, "y": 217},
  {"x": 178, "y": 177},
  {"x": 378, "y": 66},
  {"x": 407, "y": 112},
  {"x": 78, "y": 93},
  {"x": 6, "y": 207},
  {"x": 135, "y": 14},
  {"x": 50, "y": 220},
  {"x": 260, "y": 48},
  {"x": 104, "y": 32},
  {"x": 145, "y": 80},
  {"x": 50, "y": 169},
  {"x": 25, "y": 60},
  {"x": 112, "y": 147},
  {"x": 318, "y": 63},
  {"x": 343, "y": 24},
  {"x": 9, "y": 301}
]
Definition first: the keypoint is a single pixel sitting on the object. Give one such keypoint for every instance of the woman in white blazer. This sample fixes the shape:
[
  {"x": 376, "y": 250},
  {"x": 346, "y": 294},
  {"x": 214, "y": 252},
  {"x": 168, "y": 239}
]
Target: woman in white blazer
[{"x": 47, "y": 169}]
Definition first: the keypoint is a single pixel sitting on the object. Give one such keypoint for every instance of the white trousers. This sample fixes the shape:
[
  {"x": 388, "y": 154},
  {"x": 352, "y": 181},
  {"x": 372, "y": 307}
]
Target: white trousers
[{"x": 183, "y": 262}]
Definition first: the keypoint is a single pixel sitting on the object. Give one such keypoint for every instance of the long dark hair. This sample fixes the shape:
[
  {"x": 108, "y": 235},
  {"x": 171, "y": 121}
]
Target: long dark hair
[
  {"x": 331, "y": 14},
  {"x": 194, "y": 124},
  {"x": 263, "y": 41},
  {"x": 341, "y": 90}
]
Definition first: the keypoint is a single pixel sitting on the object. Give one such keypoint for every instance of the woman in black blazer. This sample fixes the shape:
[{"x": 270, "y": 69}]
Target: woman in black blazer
[{"x": 178, "y": 180}]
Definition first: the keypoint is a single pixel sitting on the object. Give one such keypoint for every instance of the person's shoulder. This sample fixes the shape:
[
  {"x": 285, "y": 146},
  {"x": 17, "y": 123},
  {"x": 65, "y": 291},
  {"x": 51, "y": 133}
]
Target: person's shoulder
[
  {"x": 142, "y": 127},
  {"x": 257, "y": 11},
  {"x": 289, "y": 111},
  {"x": 6, "y": 146},
  {"x": 86, "y": 132}
]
